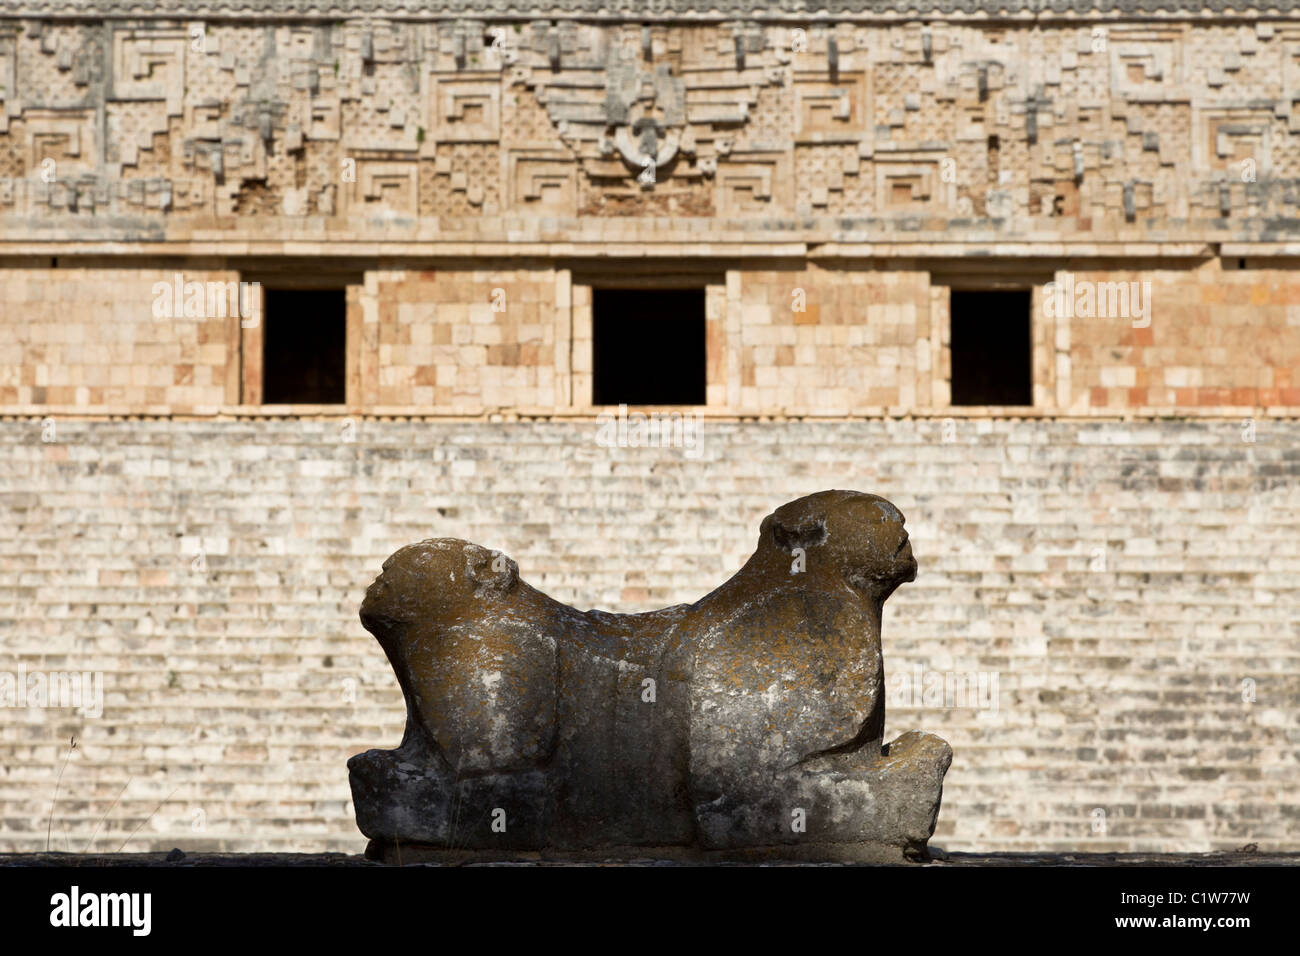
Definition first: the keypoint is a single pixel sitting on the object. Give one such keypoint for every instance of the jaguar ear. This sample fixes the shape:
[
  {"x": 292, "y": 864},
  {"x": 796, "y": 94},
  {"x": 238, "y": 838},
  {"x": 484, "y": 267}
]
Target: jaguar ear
[
  {"x": 809, "y": 531},
  {"x": 491, "y": 571}
]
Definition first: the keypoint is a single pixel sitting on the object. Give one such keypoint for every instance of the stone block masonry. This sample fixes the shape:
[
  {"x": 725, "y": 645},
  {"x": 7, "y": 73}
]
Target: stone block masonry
[
  {"x": 269, "y": 122},
  {"x": 841, "y": 339},
  {"x": 1127, "y": 591}
]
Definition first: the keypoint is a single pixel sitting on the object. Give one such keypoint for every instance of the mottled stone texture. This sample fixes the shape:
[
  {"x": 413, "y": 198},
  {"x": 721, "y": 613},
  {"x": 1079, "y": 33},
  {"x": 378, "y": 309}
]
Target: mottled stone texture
[
  {"x": 750, "y": 719},
  {"x": 432, "y": 122},
  {"x": 872, "y": 336},
  {"x": 1124, "y": 581}
]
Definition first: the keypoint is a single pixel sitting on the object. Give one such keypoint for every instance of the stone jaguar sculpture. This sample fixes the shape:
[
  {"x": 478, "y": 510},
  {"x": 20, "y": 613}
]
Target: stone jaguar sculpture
[{"x": 748, "y": 723}]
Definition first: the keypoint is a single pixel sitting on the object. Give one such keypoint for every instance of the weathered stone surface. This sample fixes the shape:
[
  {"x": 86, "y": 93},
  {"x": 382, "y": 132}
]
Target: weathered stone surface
[
  {"x": 448, "y": 124},
  {"x": 749, "y": 721},
  {"x": 1102, "y": 568}
]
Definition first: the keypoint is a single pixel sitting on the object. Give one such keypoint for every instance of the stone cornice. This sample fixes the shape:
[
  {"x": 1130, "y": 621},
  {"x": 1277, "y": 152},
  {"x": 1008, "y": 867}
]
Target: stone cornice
[{"x": 637, "y": 10}]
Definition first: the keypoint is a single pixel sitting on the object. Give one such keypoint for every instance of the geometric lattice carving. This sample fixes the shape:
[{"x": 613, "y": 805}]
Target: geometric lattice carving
[
  {"x": 746, "y": 187},
  {"x": 150, "y": 65},
  {"x": 542, "y": 181},
  {"x": 905, "y": 183},
  {"x": 388, "y": 186},
  {"x": 468, "y": 110},
  {"x": 67, "y": 137},
  {"x": 826, "y": 109},
  {"x": 471, "y": 118}
]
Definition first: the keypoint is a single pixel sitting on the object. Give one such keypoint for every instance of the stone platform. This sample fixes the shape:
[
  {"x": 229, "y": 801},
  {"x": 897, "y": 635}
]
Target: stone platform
[{"x": 1233, "y": 858}]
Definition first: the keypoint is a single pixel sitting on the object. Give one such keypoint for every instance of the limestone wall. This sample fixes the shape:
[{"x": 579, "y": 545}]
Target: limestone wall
[
  {"x": 92, "y": 338},
  {"x": 464, "y": 339},
  {"x": 1132, "y": 587},
  {"x": 1220, "y": 334},
  {"x": 800, "y": 337},
  {"x": 269, "y": 124}
]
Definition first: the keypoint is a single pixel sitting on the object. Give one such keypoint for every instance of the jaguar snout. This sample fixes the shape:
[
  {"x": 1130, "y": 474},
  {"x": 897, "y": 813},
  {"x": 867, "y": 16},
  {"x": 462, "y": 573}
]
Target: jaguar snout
[{"x": 906, "y": 542}]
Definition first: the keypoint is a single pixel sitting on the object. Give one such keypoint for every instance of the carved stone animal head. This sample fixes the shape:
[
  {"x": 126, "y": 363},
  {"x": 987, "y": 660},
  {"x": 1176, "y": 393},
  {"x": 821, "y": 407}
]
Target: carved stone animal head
[
  {"x": 445, "y": 579},
  {"x": 856, "y": 537}
]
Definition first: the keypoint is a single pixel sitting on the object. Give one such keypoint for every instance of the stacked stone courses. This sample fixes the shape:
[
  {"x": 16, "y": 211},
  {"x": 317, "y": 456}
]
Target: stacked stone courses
[
  {"x": 425, "y": 159},
  {"x": 1122, "y": 579},
  {"x": 1121, "y": 555}
]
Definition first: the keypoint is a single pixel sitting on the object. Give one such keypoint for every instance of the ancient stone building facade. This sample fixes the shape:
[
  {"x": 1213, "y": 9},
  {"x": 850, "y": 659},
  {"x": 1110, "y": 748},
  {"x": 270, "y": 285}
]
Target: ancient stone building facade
[{"x": 285, "y": 285}]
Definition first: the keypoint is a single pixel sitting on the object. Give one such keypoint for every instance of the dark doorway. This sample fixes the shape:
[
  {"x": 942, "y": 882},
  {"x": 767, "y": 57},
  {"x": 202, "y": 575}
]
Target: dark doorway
[
  {"x": 304, "y": 351},
  {"x": 648, "y": 347},
  {"x": 992, "y": 362}
]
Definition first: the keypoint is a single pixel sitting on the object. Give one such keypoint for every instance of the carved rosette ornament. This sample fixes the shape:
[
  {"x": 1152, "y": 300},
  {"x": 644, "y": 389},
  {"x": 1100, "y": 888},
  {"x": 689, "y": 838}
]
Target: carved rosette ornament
[{"x": 646, "y": 115}]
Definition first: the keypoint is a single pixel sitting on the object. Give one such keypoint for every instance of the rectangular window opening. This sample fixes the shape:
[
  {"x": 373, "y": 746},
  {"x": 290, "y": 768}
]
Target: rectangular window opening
[
  {"x": 648, "y": 347},
  {"x": 992, "y": 360},
  {"x": 304, "y": 351}
]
